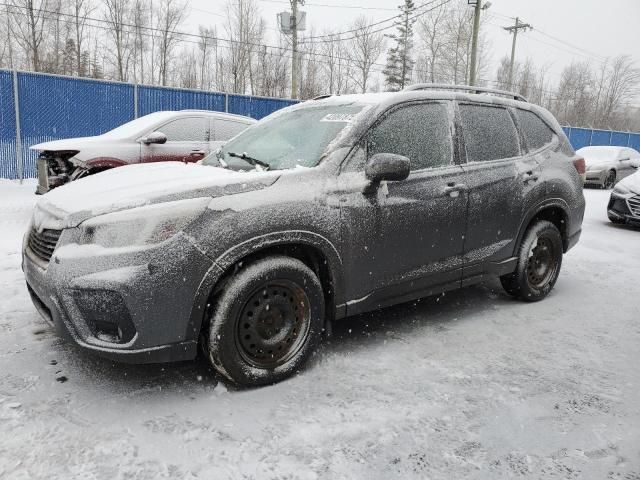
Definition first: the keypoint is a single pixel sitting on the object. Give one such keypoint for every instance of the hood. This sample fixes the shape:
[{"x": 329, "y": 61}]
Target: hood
[
  {"x": 67, "y": 144},
  {"x": 631, "y": 183},
  {"x": 138, "y": 185}
]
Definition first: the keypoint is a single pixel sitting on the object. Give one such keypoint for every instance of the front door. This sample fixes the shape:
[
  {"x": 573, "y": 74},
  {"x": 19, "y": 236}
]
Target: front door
[
  {"x": 187, "y": 141},
  {"x": 405, "y": 238}
]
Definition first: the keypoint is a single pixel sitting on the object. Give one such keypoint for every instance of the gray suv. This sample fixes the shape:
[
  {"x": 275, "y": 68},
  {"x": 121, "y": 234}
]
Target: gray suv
[{"x": 329, "y": 208}]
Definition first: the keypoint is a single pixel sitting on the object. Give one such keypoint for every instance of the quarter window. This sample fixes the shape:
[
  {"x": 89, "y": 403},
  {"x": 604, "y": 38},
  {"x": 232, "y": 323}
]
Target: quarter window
[
  {"x": 419, "y": 132},
  {"x": 536, "y": 132},
  {"x": 191, "y": 129},
  {"x": 489, "y": 133}
]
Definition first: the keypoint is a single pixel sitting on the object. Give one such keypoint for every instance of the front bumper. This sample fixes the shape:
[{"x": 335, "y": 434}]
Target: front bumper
[
  {"x": 133, "y": 307},
  {"x": 595, "y": 178},
  {"x": 618, "y": 209}
]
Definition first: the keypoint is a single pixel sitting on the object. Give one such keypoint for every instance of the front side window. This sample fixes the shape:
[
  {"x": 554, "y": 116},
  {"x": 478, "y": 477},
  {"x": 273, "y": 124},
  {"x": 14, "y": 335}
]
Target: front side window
[
  {"x": 536, "y": 132},
  {"x": 297, "y": 137},
  {"x": 489, "y": 133},
  {"x": 420, "y": 132},
  {"x": 191, "y": 129}
]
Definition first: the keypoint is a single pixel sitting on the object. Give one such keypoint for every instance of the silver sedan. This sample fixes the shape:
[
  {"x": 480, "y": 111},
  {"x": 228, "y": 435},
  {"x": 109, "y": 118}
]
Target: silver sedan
[{"x": 607, "y": 165}]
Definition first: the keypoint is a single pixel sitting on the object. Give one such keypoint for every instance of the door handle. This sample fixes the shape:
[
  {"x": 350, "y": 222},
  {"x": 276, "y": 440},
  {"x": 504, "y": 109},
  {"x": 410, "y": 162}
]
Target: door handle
[
  {"x": 530, "y": 176},
  {"x": 453, "y": 189},
  {"x": 197, "y": 152}
]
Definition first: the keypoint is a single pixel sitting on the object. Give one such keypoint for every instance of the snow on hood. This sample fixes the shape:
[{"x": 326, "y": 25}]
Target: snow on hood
[
  {"x": 133, "y": 186},
  {"x": 632, "y": 182},
  {"x": 67, "y": 144}
]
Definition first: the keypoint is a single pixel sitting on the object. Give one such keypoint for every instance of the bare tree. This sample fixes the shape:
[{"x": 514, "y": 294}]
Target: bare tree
[
  {"x": 432, "y": 31},
  {"x": 172, "y": 14},
  {"x": 29, "y": 20},
  {"x": 366, "y": 47},
  {"x": 117, "y": 16},
  {"x": 622, "y": 83},
  {"x": 336, "y": 64},
  {"x": 81, "y": 10},
  {"x": 207, "y": 44},
  {"x": 245, "y": 31}
]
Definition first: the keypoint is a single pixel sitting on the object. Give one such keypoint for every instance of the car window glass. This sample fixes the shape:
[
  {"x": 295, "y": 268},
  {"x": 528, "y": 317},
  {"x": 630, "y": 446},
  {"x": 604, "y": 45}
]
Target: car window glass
[
  {"x": 536, "y": 132},
  {"x": 489, "y": 133},
  {"x": 224, "y": 130},
  {"x": 191, "y": 129},
  {"x": 419, "y": 132}
]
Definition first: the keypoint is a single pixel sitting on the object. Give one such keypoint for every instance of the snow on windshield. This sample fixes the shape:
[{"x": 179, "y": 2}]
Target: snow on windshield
[
  {"x": 138, "y": 126},
  {"x": 298, "y": 137}
]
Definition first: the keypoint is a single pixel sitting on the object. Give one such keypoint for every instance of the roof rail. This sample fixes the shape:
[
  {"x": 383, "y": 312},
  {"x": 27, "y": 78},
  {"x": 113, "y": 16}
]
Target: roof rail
[
  {"x": 465, "y": 88},
  {"x": 322, "y": 97}
]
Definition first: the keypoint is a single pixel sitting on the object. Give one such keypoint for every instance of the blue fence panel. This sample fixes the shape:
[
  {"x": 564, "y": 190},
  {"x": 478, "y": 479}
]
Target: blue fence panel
[
  {"x": 620, "y": 139},
  {"x": 580, "y": 137},
  {"x": 256, "y": 107},
  {"x": 567, "y": 132},
  {"x": 8, "y": 168},
  {"x": 601, "y": 137},
  {"x": 53, "y": 107},
  {"x": 153, "y": 99},
  {"x": 634, "y": 141}
]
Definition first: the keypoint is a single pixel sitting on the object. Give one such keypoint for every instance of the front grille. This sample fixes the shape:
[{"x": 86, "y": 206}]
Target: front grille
[
  {"x": 43, "y": 243},
  {"x": 634, "y": 205}
]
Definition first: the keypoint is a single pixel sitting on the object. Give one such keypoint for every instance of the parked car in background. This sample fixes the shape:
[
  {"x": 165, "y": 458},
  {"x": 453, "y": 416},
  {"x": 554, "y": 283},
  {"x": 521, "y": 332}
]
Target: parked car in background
[
  {"x": 624, "y": 203},
  {"x": 186, "y": 135},
  {"x": 606, "y": 165},
  {"x": 322, "y": 210}
]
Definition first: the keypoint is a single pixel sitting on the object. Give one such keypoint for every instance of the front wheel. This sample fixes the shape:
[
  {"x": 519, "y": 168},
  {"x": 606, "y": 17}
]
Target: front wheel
[
  {"x": 267, "y": 321},
  {"x": 539, "y": 261},
  {"x": 610, "y": 181}
]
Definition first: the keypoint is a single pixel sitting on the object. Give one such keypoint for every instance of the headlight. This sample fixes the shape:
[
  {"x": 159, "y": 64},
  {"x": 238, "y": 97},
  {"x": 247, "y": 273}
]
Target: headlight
[
  {"x": 621, "y": 190},
  {"x": 142, "y": 226}
]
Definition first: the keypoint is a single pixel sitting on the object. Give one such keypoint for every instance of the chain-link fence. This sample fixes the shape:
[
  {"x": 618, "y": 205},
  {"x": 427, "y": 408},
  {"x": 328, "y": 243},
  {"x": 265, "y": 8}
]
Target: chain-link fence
[{"x": 51, "y": 107}]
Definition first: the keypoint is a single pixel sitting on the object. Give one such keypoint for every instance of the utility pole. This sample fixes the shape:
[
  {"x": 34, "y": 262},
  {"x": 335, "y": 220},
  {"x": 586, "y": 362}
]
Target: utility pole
[
  {"x": 514, "y": 30},
  {"x": 294, "y": 48},
  {"x": 474, "y": 42}
]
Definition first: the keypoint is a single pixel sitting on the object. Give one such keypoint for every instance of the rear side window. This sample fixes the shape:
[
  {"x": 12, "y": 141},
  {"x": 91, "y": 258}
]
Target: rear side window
[
  {"x": 224, "y": 130},
  {"x": 489, "y": 133},
  {"x": 420, "y": 132},
  {"x": 191, "y": 129},
  {"x": 536, "y": 132}
]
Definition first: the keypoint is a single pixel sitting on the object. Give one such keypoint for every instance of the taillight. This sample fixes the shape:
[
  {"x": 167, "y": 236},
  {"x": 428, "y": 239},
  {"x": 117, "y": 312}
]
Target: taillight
[{"x": 580, "y": 165}]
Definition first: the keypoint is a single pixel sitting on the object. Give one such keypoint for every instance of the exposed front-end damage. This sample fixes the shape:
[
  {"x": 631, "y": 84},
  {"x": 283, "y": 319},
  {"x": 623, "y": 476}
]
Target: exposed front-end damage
[{"x": 54, "y": 169}]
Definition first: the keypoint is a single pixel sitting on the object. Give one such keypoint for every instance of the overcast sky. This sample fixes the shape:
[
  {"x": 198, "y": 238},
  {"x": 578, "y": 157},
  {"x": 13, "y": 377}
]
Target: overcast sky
[{"x": 590, "y": 29}]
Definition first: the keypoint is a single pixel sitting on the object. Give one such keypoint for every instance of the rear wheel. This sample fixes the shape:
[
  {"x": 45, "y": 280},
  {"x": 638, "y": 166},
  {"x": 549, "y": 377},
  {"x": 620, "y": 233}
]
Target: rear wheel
[
  {"x": 539, "y": 262},
  {"x": 267, "y": 322},
  {"x": 610, "y": 181}
]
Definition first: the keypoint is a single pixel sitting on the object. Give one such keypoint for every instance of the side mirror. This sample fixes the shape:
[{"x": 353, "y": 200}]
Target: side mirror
[
  {"x": 387, "y": 166},
  {"x": 155, "y": 137}
]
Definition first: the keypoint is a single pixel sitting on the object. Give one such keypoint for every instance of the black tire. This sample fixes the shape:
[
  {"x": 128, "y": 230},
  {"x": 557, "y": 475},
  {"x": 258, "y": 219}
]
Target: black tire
[
  {"x": 539, "y": 262},
  {"x": 267, "y": 321},
  {"x": 610, "y": 181},
  {"x": 617, "y": 221}
]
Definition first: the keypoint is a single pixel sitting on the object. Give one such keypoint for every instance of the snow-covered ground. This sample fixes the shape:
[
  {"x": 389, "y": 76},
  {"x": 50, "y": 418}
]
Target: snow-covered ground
[{"x": 467, "y": 385}]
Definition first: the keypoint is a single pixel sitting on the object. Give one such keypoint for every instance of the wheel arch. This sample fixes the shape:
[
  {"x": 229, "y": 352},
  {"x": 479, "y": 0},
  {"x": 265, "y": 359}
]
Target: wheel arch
[
  {"x": 314, "y": 250},
  {"x": 104, "y": 163},
  {"x": 555, "y": 211}
]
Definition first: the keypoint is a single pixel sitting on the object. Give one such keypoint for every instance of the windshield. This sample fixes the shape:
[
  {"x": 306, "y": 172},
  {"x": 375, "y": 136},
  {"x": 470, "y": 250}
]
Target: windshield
[
  {"x": 138, "y": 126},
  {"x": 594, "y": 155},
  {"x": 295, "y": 138}
]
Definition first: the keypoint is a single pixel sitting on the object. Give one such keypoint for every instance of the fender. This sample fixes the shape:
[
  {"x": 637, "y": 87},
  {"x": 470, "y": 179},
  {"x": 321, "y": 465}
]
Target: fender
[
  {"x": 533, "y": 211},
  {"x": 254, "y": 245}
]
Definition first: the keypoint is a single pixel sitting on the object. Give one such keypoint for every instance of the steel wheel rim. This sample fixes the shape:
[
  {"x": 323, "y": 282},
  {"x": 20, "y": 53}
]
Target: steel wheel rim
[
  {"x": 542, "y": 263},
  {"x": 273, "y": 324}
]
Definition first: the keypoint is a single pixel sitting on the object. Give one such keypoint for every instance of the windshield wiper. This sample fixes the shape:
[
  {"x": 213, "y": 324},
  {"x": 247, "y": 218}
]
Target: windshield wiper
[{"x": 248, "y": 159}]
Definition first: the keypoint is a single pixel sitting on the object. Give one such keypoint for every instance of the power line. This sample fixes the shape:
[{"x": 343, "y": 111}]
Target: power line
[{"x": 354, "y": 7}]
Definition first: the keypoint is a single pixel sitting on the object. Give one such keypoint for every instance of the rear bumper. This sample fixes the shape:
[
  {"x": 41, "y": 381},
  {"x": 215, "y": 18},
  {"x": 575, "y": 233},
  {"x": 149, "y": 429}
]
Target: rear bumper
[{"x": 124, "y": 308}]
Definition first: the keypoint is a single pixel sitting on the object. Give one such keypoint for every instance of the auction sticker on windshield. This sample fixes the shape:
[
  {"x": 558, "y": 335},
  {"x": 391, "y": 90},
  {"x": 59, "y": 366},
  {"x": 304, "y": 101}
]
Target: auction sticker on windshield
[{"x": 338, "y": 117}]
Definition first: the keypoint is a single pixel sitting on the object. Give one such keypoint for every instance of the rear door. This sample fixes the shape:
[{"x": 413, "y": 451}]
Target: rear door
[
  {"x": 187, "y": 140},
  {"x": 500, "y": 179},
  {"x": 406, "y": 237},
  {"x": 629, "y": 160}
]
